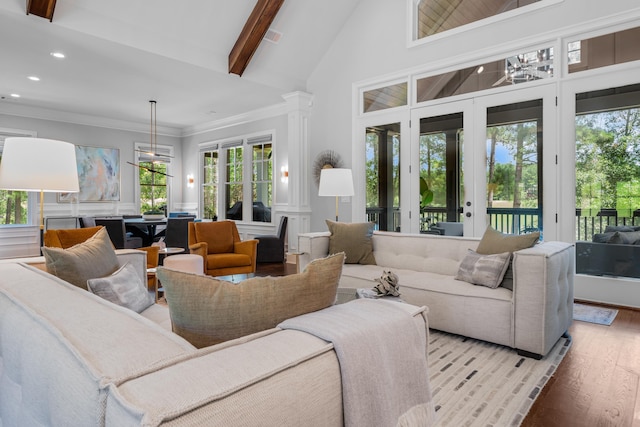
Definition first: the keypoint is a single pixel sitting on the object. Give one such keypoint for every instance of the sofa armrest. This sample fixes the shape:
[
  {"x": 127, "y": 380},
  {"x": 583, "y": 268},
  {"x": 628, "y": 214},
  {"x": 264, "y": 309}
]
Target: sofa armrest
[
  {"x": 543, "y": 295},
  {"x": 312, "y": 246}
]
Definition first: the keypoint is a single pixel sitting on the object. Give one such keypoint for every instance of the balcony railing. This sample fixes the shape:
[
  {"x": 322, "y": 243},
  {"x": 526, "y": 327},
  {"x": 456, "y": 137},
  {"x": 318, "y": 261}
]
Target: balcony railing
[{"x": 511, "y": 220}]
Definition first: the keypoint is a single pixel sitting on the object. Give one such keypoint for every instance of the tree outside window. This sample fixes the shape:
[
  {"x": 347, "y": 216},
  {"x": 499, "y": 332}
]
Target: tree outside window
[
  {"x": 13, "y": 206},
  {"x": 262, "y": 182},
  {"x": 210, "y": 161},
  {"x": 234, "y": 184}
]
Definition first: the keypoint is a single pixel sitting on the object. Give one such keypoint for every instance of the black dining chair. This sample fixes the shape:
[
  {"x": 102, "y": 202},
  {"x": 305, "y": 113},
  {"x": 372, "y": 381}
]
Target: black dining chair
[
  {"x": 176, "y": 235},
  {"x": 118, "y": 233},
  {"x": 270, "y": 247}
]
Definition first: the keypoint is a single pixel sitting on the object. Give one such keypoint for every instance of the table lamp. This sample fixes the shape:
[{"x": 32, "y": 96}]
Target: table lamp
[
  {"x": 335, "y": 182},
  {"x": 37, "y": 164}
]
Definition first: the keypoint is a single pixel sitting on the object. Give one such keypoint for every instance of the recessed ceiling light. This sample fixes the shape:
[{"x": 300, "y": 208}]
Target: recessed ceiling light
[
  {"x": 15, "y": 95},
  {"x": 34, "y": 78},
  {"x": 58, "y": 55}
]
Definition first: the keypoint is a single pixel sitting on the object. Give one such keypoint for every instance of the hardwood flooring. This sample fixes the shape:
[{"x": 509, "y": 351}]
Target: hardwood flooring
[{"x": 597, "y": 383}]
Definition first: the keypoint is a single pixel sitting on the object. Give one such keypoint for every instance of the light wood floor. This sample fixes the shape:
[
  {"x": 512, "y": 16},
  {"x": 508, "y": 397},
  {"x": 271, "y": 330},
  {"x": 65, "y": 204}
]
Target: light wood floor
[{"x": 597, "y": 383}]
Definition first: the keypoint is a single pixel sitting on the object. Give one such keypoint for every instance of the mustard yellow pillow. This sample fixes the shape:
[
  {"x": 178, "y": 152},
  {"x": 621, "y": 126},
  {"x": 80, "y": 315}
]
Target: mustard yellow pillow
[
  {"x": 206, "y": 311},
  {"x": 354, "y": 239}
]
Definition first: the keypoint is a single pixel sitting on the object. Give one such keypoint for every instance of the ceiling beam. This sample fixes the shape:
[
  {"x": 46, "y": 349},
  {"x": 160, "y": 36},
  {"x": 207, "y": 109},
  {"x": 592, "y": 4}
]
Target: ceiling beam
[
  {"x": 42, "y": 8},
  {"x": 252, "y": 34}
]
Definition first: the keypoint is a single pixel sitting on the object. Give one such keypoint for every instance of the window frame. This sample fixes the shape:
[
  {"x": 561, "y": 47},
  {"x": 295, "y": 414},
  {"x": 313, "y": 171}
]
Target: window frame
[
  {"x": 139, "y": 148},
  {"x": 412, "y": 21},
  {"x": 32, "y": 196},
  {"x": 222, "y": 147}
]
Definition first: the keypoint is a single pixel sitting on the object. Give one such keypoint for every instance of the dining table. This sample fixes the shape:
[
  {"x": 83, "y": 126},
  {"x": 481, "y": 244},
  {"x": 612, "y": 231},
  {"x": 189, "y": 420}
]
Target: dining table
[{"x": 147, "y": 229}]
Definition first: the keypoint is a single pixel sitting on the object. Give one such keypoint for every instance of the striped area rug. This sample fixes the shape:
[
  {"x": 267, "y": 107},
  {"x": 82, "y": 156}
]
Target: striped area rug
[{"x": 475, "y": 383}]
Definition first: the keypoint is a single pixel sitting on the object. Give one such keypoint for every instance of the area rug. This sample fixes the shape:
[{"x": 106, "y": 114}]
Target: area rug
[
  {"x": 594, "y": 314},
  {"x": 476, "y": 383}
]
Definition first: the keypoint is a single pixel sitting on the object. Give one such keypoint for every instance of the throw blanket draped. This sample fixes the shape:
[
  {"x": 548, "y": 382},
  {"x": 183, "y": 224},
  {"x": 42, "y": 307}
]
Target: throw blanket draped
[{"x": 382, "y": 359}]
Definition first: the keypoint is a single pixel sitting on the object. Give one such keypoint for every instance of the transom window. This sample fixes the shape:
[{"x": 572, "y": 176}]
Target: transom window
[{"x": 431, "y": 17}]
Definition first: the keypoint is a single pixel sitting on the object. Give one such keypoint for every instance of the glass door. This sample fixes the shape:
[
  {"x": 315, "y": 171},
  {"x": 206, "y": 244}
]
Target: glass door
[
  {"x": 479, "y": 163},
  {"x": 442, "y": 185}
]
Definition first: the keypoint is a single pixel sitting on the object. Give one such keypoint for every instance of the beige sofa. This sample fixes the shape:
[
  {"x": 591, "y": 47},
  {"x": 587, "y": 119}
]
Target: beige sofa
[
  {"x": 531, "y": 318},
  {"x": 68, "y": 357}
]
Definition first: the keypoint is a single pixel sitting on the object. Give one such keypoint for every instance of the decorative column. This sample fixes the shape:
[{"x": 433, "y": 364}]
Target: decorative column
[{"x": 298, "y": 209}]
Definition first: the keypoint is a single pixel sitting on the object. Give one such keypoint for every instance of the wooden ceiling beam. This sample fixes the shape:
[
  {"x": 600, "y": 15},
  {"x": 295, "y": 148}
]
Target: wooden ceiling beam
[
  {"x": 252, "y": 34},
  {"x": 42, "y": 8}
]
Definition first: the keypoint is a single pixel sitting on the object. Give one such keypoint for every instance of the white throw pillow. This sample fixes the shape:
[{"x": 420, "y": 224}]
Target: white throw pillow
[{"x": 124, "y": 288}]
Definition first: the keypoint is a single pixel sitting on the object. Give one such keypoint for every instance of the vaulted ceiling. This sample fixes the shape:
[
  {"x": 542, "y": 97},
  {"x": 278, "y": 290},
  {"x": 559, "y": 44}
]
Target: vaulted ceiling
[{"x": 122, "y": 53}]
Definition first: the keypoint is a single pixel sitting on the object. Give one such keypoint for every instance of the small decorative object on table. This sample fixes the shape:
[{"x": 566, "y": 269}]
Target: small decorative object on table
[{"x": 387, "y": 285}]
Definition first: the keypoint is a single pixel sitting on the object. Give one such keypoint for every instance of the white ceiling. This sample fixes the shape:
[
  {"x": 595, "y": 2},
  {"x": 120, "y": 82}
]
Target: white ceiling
[{"x": 122, "y": 53}]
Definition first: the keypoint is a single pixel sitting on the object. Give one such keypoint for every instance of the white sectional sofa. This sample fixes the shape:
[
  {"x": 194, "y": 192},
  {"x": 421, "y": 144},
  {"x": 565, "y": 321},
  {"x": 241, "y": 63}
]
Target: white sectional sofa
[
  {"x": 70, "y": 358},
  {"x": 531, "y": 318}
]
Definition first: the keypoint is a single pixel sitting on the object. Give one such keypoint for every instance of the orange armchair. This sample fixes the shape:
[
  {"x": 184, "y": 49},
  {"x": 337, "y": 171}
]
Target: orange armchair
[
  {"x": 65, "y": 238},
  {"x": 219, "y": 243}
]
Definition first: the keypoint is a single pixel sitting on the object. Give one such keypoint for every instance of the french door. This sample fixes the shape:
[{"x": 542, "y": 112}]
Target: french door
[{"x": 479, "y": 161}]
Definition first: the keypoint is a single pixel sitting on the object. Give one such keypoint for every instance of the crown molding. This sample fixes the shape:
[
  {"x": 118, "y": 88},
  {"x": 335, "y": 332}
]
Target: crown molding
[
  {"x": 83, "y": 119},
  {"x": 250, "y": 116}
]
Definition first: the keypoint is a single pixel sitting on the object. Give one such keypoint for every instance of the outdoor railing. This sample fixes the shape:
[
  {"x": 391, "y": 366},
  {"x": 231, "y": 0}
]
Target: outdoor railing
[{"x": 512, "y": 220}]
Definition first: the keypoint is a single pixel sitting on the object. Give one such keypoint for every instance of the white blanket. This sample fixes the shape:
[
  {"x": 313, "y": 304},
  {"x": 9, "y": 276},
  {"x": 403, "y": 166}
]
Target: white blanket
[{"x": 382, "y": 358}]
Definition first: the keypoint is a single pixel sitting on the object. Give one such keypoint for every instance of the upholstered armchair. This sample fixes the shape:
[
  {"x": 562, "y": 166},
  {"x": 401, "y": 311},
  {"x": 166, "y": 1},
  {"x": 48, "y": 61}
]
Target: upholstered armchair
[
  {"x": 65, "y": 238},
  {"x": 219, "y": 243},
  {"x": 271, "y": 247}
]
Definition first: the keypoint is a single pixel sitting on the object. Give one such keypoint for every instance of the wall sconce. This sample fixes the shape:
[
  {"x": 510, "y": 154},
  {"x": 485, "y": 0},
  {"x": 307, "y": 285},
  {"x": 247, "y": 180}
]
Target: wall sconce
[
  {"x": 190, "y": 181},
  {"x": 284, "y": 174}
]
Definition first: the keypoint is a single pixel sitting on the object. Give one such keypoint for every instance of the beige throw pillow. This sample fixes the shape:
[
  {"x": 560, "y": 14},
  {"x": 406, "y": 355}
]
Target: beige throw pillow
[
  {"x": 124, "y": 288},
  {"x": 206, "y": 311},
  {"x": 92, "y": 258},
  {"x": 354, "y": 239},
  {"x": 495, "y": 242},
  {"x": 485, "y": 270}
]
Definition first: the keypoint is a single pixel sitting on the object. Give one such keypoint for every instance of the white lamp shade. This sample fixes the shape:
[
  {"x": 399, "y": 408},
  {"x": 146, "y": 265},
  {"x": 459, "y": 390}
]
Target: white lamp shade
[
  {"x": 335, "y": 182},
  {"x": 37, "y": 164}
]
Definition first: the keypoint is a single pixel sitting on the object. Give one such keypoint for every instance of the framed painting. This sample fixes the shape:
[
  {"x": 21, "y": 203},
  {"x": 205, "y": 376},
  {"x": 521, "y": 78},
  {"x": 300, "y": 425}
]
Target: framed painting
[{"x": 98, "y": 175}]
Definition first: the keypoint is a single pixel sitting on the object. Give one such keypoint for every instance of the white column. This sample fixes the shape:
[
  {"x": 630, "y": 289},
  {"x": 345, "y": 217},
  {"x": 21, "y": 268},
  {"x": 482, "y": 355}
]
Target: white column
[{"x": 298, "y": 209}]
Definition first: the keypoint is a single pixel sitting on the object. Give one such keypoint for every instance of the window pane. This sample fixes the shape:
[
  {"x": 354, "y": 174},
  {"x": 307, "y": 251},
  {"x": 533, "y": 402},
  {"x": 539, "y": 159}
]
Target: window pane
[
  {"x": 262, "y": 182},
  {"x": 210, "y": 185},
  {"x": 435, "y": 16},
  {"x": 516, "y": 69},
  {"x": 13, "y": 207},
  {"x": 233, "y": 202},
  {"x": 608, "y": 182},
  {"x": 514, "y": 144},
  {"x": 383, "y": 176},
  {"x": 153, "y": 186},
  {"x": 596, "y": 52},
  {"x": 441, "y": 173},
  {"x": 385, "y": 97}
]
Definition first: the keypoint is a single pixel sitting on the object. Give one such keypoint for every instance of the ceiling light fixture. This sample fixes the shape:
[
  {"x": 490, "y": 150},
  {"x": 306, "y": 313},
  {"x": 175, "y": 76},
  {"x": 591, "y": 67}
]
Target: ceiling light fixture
[
  {"x": 34, "y": 78},
  {"x": 58, "y": 55},
  {"x": 15, "y": 95}
]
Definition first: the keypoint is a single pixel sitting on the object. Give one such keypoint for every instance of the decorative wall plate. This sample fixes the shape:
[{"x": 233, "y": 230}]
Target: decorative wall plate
[{"x": 326, "y": 159}]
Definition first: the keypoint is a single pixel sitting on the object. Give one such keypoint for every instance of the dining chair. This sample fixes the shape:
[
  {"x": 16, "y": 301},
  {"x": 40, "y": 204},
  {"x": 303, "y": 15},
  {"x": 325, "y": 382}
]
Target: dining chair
[
  {"x": 118, "y": 233},
  {"x": 271, "y": 247},
  {"x": 176, "y": 234}
]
